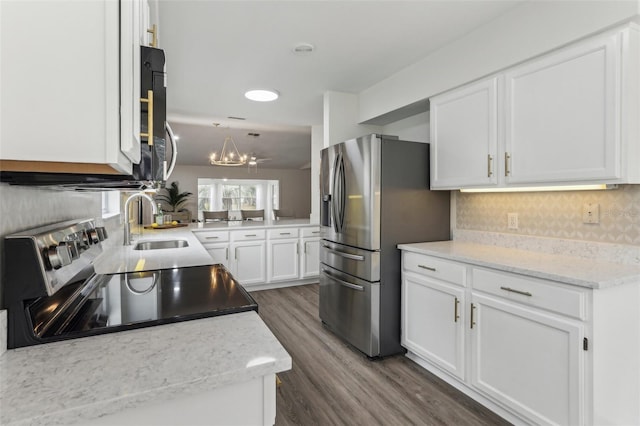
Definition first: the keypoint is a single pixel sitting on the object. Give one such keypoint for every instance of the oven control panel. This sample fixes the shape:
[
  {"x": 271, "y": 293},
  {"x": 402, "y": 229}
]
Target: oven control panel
[{"x": 61, "y": 251}]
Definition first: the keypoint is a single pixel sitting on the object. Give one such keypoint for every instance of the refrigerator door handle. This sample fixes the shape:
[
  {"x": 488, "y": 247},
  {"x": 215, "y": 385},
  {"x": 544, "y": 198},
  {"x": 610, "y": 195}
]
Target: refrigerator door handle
[
  {"x": 342, "y": 282},
  {"x": 338, "y": 193},
  {"x": 343, "y": 254}
]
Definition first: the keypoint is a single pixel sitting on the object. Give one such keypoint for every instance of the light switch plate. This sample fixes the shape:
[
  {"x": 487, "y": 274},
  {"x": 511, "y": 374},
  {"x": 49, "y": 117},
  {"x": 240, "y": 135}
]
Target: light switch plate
[
  {"x": 512, "y": 220},
  {"x": 591, "y": 213}
]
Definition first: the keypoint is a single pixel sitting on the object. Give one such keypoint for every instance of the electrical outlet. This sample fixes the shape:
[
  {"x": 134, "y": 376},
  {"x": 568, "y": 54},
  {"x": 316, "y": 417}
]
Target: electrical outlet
[
  {"x": 591, "y": 213},
  {"x": 512, "y": 220}
]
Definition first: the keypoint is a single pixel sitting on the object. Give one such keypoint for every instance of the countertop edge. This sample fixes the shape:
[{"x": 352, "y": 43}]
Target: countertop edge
[
  {"x": 277, "y": 360},
  {"x": 436, "y": 249}
]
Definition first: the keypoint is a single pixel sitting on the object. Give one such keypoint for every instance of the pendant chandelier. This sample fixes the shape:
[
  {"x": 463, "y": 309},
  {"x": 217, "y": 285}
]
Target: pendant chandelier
[{"x": 229, "y": 156}]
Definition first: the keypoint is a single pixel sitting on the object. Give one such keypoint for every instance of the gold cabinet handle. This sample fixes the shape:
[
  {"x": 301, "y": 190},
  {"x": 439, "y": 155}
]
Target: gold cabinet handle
[
  {"x": 456, "y": 317},
  {"x": 524, "y": 293},
  {"x": 507, "y": 159},
  {"x": 154, "y": 35},
  {"x": 305, "y": 247},
  {"x": 149, "y": 101},
  {"x": 489, "y": 164},
  {"x": 472, "y": 322},
  {"x": 226, "y": 253},
  {"x": 428, "y": 268},
  {"x": 297, "y": 248}
]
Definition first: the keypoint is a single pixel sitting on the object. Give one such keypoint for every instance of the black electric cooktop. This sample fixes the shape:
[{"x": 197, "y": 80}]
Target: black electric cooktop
[{"x": 110, "y": 303}]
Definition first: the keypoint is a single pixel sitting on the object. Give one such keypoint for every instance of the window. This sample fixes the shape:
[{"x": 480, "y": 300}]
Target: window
[
  {"x": 110, "y": 203},
  {"x": 238, "y": 194}
]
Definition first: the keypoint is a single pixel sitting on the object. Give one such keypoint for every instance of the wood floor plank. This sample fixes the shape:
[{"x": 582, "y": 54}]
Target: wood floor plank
[{"x": 331, "y": 383}]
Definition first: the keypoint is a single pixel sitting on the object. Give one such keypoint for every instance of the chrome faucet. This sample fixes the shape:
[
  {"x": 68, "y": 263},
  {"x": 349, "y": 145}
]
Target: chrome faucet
[{"x": 127, "y": 225}]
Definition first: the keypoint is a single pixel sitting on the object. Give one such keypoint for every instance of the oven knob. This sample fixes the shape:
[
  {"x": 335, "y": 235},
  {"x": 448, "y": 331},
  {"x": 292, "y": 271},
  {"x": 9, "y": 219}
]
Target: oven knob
[
  {"x": 93, "y": 236},
  {"x": 74, "y": 248},
  {"x": 59, "y": 256}
]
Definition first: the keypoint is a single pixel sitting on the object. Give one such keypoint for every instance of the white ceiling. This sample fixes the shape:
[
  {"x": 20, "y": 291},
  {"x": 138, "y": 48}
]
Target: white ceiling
[{"x": 217, "y": 50}]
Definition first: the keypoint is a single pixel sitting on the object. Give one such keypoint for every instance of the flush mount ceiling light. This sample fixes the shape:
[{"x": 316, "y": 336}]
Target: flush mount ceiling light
[{"x": 262, "y": 95}]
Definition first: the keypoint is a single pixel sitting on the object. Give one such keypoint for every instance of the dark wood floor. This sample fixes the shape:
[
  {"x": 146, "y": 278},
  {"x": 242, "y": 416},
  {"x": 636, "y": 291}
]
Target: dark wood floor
[{"x": 333, "y": 384}]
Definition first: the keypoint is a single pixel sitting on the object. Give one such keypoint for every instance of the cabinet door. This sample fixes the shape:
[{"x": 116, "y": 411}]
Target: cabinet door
[
  {"x": 433, "y": 322},
  {"x": 72, "y": 89},
  {"x": 249, "y": 262},
  {"x": 310, "y": 258},
  {"x": 132, "y": 14},
  {"x": 219, "y": 253},
  {"x": 562, "y": 115},
  {"x": 283, "y": 260},
  {"x": 528, "y": 360},
  {"x": 464, "y": 136}
]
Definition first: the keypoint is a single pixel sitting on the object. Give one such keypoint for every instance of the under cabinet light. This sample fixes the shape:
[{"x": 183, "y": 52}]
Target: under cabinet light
[{"x": 543, "y": 188}]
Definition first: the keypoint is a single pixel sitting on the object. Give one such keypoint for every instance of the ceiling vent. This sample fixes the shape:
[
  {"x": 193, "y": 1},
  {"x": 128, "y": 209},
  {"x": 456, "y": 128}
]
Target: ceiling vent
[{"x": 303, "y": 48}]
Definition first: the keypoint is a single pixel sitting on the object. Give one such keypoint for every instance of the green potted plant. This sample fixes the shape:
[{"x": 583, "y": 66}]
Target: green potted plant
[{"x": 172, "y": 196}]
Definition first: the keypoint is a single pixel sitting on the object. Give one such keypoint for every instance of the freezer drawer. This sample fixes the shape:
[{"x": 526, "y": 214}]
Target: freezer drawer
[
  {"x": 353, "y": 261},
  {"x": 350, "y": 307}
]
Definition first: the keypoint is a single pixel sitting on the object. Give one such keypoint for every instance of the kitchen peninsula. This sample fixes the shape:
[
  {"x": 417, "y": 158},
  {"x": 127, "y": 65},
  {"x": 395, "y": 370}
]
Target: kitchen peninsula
[
  {"x": 259, "y": 254},
  {"x": 216, "y": 370}
]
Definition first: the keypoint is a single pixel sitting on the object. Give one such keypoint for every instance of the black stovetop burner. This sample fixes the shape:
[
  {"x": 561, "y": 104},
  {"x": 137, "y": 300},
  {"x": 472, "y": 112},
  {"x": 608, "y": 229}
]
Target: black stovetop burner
[{"x": 110, "y": 303}]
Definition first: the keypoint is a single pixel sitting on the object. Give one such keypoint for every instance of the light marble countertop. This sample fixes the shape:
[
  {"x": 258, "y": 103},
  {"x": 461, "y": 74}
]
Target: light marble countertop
[
  {"x": 249, "y": 224},
  {"x": 562, "y": 268},
  {"x": 117, "y": 258},
  {"x": 81, "y": 379}
]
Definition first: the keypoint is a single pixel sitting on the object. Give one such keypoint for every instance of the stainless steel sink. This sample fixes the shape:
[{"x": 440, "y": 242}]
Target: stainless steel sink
[{"x": 160, "y": 244}]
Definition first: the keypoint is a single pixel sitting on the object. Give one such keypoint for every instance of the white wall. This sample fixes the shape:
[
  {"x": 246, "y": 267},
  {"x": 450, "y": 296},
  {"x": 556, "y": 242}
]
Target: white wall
[
  {"x": 340, "y": 118},
  {"x": 317, "y": 143},
  {"x": 523, "y": 32},
  {"x": 414, "y": 128},
  {"x": 295, "y": 194}
]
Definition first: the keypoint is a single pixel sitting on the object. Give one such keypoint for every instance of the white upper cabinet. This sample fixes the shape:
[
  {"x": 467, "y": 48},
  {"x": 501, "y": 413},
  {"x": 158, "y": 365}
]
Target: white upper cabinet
[
  {"x": 464, "y": 135},
  {"x": 571, "y": 116},
  {"x": 68, "y": 68},
  {"x": 561, "y": 113}
]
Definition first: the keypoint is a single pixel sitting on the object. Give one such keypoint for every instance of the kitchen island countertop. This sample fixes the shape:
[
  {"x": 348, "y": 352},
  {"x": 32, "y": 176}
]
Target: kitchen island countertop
[
  {"x": 571, "y": 270},
  {"x": 82, "y": 379}
]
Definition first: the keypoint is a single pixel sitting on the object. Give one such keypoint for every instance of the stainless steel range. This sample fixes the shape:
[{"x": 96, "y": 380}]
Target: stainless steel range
[{"x": 51, "y": 291}]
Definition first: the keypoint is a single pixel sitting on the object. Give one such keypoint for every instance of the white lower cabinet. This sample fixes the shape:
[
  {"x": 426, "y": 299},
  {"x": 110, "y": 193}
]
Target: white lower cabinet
[
  {"x": 266, "y": 257},
  {"x": 528, "y": 360},
  {"x": 248, "y": 264},
  {"x": 258, "y": 257},
  {"x": 283, "y": 259},
  {"x": 433, "y": 322},
  {"x": 514, "y": 343},
  {"x": 219, "y": 252},
  {"x": 310, "y": 258}
]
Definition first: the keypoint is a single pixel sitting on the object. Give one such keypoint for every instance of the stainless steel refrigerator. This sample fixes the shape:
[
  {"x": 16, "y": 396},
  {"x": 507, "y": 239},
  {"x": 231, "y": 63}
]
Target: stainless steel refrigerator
[{"x": 374, "y": 195}]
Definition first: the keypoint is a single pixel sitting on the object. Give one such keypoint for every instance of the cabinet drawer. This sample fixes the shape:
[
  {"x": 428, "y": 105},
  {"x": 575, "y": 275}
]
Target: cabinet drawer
[
  {"x": 554, "y": 297},
  {"x": 212, "y": 236},
  {"x": 248, "y": 235},
  {"x": 434, "y": 267},
  {"x": 282, "y": 233},
  {"x": 310, "y": 232}
]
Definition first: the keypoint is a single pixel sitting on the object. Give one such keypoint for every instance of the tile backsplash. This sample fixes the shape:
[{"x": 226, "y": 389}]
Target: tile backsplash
[{"x": 555, "y": 214}]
